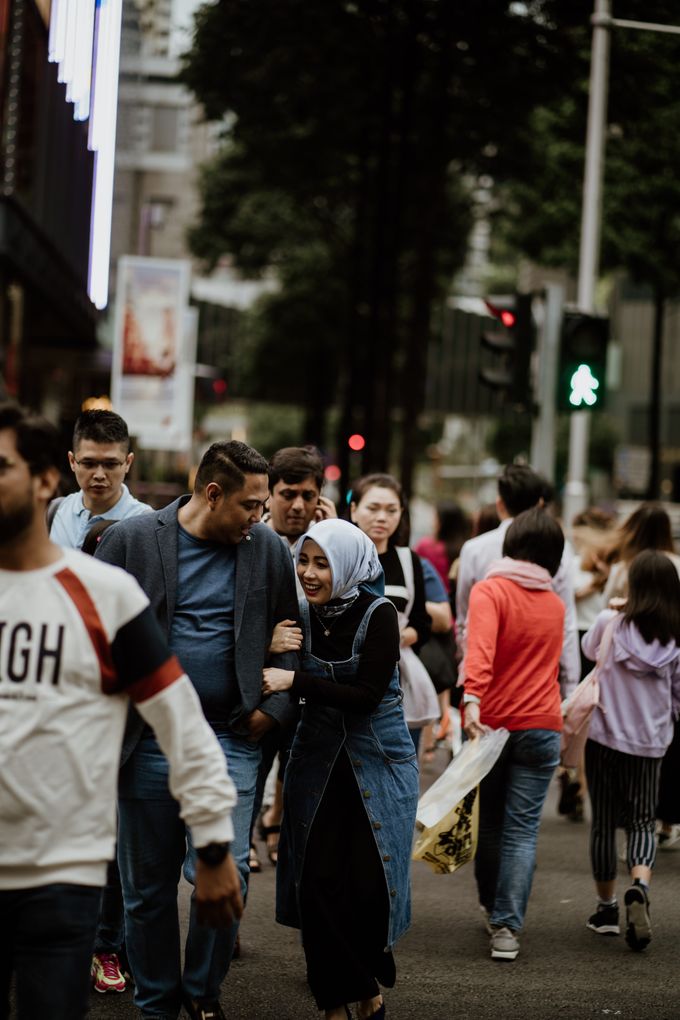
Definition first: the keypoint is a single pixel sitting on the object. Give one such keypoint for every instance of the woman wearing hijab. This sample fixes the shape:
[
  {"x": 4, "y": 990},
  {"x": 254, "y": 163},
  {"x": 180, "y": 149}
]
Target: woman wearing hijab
[{"x": 351, "y": 785}]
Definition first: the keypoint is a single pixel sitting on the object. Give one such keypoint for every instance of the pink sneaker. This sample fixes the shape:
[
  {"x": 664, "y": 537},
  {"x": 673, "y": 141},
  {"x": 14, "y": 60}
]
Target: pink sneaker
[{"x": 106, "y": 973}]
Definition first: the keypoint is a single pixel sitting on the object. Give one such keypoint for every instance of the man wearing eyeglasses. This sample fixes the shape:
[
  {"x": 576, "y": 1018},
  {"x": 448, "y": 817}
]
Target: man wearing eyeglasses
[{"x": 100, "y": 460}]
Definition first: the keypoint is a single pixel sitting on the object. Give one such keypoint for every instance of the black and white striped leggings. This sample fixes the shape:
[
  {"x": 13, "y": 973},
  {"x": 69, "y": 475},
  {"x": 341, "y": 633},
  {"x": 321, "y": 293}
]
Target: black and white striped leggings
[{"x": 623, "y": 790}]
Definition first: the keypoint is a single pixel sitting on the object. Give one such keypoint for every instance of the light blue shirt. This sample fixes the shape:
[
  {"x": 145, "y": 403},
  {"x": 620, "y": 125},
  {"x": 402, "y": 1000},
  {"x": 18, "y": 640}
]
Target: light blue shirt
[{"x": 73, "y": 520}]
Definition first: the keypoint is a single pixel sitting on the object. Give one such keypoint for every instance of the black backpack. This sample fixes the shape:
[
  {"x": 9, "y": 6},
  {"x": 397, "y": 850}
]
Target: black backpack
[{"x": 52, "y": 509}]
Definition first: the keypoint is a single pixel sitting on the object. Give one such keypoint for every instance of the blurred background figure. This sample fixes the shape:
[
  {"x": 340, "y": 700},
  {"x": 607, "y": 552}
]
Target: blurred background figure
[
  {"x": 377, "y": 508},
  {"x": 452, "y": 528},
  {"x": 648, "y": 527}
]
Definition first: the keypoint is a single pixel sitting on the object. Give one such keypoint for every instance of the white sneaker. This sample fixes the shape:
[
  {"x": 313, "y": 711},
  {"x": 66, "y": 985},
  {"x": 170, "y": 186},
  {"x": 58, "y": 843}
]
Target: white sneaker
[
  {"x": 669, "y": 840},
  {"x": 504, "y": 944}
]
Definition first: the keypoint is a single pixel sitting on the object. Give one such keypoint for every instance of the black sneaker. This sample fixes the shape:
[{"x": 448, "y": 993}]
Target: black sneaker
[
  {"x": 638, "y": 924},
  {"x": 203, "y": 1009},
  {"x": 605, "y": 920},
  {"x": 569, "y": 796}
]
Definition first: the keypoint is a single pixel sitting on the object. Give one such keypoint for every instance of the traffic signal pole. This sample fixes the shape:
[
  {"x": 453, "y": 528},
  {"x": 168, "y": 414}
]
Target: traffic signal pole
[
  {"x": 543, "y": 428},
  {"x": 576, "y": 490}
]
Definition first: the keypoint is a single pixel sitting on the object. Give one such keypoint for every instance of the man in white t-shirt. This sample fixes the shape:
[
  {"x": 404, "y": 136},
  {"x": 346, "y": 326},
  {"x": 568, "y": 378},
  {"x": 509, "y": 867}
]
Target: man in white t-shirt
[{"x": 78, "y": 642}]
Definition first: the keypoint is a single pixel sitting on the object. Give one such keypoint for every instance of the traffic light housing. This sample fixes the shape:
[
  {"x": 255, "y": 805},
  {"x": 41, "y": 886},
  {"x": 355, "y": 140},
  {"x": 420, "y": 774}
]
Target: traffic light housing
[
  {"x": 583, "y": 361},
  {"x": 512, "y": 343}
]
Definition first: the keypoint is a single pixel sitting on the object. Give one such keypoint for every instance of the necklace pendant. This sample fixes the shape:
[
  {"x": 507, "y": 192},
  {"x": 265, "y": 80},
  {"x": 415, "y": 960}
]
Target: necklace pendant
[{"x": 326, "y": 632}]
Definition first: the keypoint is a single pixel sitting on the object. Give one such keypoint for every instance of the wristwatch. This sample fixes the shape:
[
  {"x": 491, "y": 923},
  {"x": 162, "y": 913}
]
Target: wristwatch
[{"x": 213, "y": 853}]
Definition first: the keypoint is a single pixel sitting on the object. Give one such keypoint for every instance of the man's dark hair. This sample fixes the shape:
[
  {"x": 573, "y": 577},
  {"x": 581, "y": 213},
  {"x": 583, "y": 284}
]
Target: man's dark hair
[
  {"x": 100, "y": 426},
  {"x": 293, "y": 464},
  {"x": 653, "y": 602},
  {"x": 520, "y": 488},
  {"x": 228, "y": 463},
  {"x": 37, "y": 440},
  {"x": 535, "y": 536}
]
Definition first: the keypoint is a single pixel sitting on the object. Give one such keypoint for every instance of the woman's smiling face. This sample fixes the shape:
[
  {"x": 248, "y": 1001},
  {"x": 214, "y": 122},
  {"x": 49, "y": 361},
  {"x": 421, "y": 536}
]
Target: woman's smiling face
[{"x": 314, "y": 573}]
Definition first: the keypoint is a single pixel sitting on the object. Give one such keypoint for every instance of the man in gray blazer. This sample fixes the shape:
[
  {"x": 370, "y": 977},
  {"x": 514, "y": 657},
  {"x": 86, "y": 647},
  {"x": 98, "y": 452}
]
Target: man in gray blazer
[{"x": 219, "y": 581}]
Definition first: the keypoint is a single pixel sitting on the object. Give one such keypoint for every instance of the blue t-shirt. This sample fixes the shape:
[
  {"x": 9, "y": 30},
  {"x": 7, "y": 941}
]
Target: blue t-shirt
[
  {"x": 202, "y": 631},
  {"x": 434, "y": 587}
]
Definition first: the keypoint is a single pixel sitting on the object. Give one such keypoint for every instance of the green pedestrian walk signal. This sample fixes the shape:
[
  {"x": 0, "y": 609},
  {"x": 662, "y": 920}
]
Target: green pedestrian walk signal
[{"x": 583, "y": 362}]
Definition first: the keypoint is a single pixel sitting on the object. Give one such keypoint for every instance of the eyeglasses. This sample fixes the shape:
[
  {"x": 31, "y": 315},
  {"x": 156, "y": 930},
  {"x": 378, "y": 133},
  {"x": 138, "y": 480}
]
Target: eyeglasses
[
  {"x": 6, "y": 463},
  {"x": 89, "y": 464}
]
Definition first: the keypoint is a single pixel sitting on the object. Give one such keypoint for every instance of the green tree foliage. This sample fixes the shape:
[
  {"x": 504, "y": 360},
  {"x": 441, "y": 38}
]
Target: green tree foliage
[
  {"x": 641, "y": 200},
  {"x": 352, "y": 126}
]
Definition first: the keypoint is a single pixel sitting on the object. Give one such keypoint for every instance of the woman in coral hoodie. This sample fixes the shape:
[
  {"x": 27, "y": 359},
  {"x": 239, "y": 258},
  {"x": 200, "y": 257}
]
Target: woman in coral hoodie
[{"x": 515, "y": 634}]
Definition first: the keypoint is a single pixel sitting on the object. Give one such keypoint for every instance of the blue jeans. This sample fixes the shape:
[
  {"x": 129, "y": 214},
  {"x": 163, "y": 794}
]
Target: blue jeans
[
  {"x": 46, "y": 938},
  {"x": 110, "y": 929},
  {"x": 154, "y": 846},
  {"x": 511, "y": 799}
]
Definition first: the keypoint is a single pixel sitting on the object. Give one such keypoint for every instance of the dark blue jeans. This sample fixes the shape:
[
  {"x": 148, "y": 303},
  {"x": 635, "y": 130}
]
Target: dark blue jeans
[
  {"x": 153, "y": 849},
  {"x": 511, "y": 799},
  {"x": 46, "y": 938}
]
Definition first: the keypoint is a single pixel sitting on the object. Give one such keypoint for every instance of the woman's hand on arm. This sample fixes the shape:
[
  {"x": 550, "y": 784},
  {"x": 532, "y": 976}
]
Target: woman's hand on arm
[
  {"x": 408, "y": 637},
  {"x": 277, "y": 680},
  {"x": 287, "y": 637}
]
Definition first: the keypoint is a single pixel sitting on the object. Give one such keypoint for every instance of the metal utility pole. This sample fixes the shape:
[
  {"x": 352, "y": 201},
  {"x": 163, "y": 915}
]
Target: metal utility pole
[
  {"x": 576, "y": 490},
  {"x": 543, "y": 429}
]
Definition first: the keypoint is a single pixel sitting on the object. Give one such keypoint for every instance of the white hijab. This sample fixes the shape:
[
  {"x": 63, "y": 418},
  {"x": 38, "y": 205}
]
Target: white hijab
[{"x": 351, "y": 555}]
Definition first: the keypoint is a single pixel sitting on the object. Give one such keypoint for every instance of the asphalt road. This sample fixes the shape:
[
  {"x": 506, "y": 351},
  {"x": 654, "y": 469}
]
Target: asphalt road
[{"x": 443, "y": 964}]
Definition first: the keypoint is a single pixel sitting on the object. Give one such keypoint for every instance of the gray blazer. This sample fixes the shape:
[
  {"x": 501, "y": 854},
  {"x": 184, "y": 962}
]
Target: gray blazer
[{"x": 146, "y": 546}]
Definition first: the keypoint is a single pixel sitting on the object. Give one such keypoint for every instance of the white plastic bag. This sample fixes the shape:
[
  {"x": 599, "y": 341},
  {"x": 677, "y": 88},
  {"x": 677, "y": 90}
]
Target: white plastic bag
[{"x": 448, "y": 812}]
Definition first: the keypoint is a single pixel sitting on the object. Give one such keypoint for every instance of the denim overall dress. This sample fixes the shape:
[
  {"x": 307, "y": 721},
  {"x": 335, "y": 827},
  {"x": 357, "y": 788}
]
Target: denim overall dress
[{"x": 385, "y": 767}]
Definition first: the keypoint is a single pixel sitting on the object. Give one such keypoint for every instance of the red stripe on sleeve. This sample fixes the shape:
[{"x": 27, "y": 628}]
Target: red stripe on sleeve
[
  {"x": 82, "y": 600},
  {"x": 153, "y": 683}
]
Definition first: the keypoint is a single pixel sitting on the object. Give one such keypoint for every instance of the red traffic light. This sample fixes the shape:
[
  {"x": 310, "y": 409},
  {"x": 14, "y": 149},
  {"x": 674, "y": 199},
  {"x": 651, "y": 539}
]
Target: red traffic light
[
  {"x": 356, "y": 442},
  {"x": 507, "y": 316}
]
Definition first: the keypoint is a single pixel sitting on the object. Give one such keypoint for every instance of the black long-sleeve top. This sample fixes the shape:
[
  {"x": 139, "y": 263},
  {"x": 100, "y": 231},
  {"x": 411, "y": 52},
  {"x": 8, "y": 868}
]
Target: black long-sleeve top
[
  {"x": 379, "y": 656},
  {"x": 419, "y": 618}
]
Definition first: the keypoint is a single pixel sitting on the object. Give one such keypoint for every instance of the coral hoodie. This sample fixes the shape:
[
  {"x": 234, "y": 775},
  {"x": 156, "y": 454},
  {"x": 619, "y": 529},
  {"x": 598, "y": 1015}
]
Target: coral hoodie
[{"x": 639, "y": 689}]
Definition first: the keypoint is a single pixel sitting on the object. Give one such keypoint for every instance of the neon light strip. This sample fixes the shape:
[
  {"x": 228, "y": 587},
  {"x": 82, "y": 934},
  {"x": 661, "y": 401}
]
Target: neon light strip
[
  {"x": 102, "y": 198},
  {"x": 85, "y": 42},
  {"x": 57, "y": 40},
  {"x": 82, "y": 78}
]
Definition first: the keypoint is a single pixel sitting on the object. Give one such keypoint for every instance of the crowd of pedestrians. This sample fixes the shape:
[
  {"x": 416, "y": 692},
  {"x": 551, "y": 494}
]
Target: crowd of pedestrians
[{"x": 245, "y": 637}]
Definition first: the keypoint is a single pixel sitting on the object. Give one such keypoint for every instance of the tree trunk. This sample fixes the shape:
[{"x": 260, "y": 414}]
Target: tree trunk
[{"x": 654, "y": 483}]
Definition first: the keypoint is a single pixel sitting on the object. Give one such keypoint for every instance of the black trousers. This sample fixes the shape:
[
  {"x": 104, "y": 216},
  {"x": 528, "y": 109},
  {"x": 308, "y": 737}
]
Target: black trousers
[
  {"x": 623, "y": 791},
  {"x": 343, "y": 903},
  {"x": 668, "y": 807}
]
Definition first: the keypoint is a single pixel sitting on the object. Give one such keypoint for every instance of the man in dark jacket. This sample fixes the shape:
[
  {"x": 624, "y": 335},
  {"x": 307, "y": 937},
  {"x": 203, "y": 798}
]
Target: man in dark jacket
[{"x": 218, "y": 581}]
